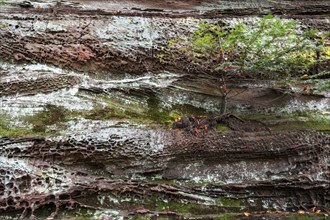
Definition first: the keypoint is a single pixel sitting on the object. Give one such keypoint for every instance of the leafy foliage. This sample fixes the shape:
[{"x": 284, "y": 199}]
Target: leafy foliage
[{"x": 271, "y": 45}]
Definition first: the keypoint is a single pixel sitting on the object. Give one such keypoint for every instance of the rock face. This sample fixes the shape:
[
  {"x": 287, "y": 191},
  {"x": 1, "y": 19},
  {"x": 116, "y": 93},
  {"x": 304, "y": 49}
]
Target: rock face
[
  {"x": 110, "y": 62},
  {"x": 45, "y": 83},
  {"x": 286, "y": 170},
  {"x": 127, "y": 36}
]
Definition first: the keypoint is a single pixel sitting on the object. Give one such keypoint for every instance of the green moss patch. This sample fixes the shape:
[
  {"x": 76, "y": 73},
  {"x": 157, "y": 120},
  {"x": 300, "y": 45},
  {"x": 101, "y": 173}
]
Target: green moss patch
[
  {"x": 17, "y": 132},
  {"x": 296, "y": 121},
  {"x": 230, "y": 202},
  {"x": 52, "y": 115},
  {"x": 323, "y": 85},
  {"x": 148, "y": 111},
  {"x": 222, "y": 127},
  {"x": 6, "y": 130},
  {"x": 6, "y": 3},
  {"x": 304, "y": 121},
  {"x": 105, "y": 113},
  {"x": 3, "y": 26}
]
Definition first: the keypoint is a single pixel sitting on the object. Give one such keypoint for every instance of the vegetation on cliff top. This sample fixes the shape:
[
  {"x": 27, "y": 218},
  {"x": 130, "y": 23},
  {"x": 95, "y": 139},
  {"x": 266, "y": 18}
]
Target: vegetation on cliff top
[{"x": 270, "y": 48}]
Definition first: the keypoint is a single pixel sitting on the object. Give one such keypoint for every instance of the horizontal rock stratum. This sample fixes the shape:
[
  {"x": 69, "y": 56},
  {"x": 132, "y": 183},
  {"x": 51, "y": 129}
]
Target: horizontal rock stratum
[{"x": 239, "y": 165}]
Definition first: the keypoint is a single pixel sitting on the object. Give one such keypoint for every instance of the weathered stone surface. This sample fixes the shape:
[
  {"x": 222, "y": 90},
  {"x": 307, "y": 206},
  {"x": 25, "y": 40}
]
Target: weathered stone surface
[
  {"x": 111, "y": 166},
  {"x": 129, "y": 36},
  {"x": 38, "y": 84},
  {"x": 246, "y": 165}
]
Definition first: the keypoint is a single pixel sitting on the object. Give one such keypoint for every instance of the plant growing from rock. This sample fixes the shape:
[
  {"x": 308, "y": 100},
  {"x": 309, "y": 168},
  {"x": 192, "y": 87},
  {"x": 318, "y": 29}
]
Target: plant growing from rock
[{"x": 270, "y": 48}]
